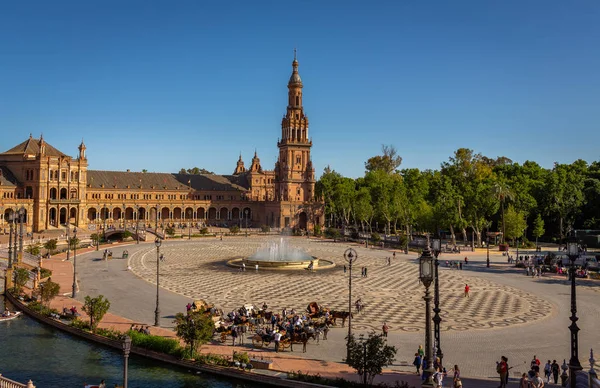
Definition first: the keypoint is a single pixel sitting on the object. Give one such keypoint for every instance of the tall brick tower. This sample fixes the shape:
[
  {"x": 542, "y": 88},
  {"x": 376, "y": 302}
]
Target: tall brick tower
[{"x": 294, "y": 173}]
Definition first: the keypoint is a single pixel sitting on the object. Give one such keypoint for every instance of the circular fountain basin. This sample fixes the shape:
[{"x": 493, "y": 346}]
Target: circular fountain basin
[{"x": 280, "y": 265}]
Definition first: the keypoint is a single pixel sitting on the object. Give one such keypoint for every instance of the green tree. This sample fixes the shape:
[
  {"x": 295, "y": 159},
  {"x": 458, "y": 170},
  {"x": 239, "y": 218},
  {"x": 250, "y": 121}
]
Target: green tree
[
  {"x": 95, "y": 308},
  {"x": 564, "y": 194},
  {"x": 48, "y": 291},
  {"x": 234, "y": 229},
  {"x": 50, "y": 245},
  {"x": 95, "y": 237},
  {"x": 127, "y": 234},
  {"x": 368, "y": 356},
  {"x": 34, "y": 249},
  {"x": 515, "y": 223},
  {"x": 170, "y": 231},
  {"x": 502, "y": 192},
  {"x": 73, "y": 242},
  {"x": 194, "y": 329},
  {"x": 195, "y": 171},
  {"x": 21, "y": 276},
  {"x": 388, "y": 162},
  {"x": 538, "y": 228},
  {"x": 144, "y": 170}
]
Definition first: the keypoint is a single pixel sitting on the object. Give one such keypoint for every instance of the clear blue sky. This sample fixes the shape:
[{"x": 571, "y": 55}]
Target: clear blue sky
[{"x": 162, "y": 85}]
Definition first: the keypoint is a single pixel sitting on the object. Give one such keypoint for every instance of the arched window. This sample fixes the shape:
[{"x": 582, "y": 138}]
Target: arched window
[{"x": 297, "y": 100}]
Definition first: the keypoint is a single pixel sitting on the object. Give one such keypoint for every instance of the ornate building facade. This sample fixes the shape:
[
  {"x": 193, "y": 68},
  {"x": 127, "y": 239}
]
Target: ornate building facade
[{"x": 54, "y": 189}]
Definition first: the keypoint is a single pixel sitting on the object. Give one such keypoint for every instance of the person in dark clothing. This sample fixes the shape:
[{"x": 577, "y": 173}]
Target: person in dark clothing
[{"x": 555, "y": 370}]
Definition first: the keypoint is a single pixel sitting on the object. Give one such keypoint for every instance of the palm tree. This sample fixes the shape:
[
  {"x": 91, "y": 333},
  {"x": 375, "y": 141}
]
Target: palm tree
[{"x": 503, "y": 192}]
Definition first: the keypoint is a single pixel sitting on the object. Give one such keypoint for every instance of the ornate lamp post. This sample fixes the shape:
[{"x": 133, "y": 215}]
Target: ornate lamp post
[
  {"x": 156, "y": 225},
  {"x": 97, "y": 232},
  {"x": 68, "y": 236},
  {"x": 426, "y": 276},
  {"x": 350, "y": 256},
  {"x": 11, "y": 219},
  {"x": 74, "y": 293},
  {"x": 21, "y": 222},
  {"x": 126, "y": 349},
  {"x": 137, "y": 224},
  {"x": 488, "y": 252},
  {"x": 189, "y": 213},
  {"x": 105, "y": 217},
  {"x": 157, "y": 242},
  {"x": 574, "y": 365},
  {"x": 437, "y": 249}
]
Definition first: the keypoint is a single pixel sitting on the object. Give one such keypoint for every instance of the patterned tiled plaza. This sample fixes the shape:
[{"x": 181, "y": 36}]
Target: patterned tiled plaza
[
  {"x": 507, "y": 313},
  {"x": 391, "y": 293}
]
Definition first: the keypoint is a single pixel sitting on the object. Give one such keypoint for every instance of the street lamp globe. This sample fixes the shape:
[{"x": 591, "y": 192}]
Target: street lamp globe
[
  {"x": 426, "y": 268},
  {"x": 572, "y": 249},
  {"x": 436, "y": 245},
  {"x": 157, "y": 242},
  {"x": 126, "y": 344}
]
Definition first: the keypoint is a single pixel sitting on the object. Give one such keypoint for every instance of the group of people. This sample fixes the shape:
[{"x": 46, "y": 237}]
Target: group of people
[
  {"x": 532, "y": 379},
  {"x": 420, "y": 363},
  {"x": 6, "y": 313},
  {"x": 141, "y": 329}
]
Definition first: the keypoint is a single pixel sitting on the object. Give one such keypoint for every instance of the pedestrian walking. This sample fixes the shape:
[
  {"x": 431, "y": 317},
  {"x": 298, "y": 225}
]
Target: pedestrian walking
[
  {"x": 467, "y": 290},
  {"x": 344, "y": 268},
  {"x": 456, "y": 382},
  {"x": 234, "y": 334},
  {"x": 385, "y": 329},
  {"x": 555, "y": 370},
  {"x": 548, "y": 371},
  {"x": 417, "y": 362},
  {"x": 365, "y": 274}
]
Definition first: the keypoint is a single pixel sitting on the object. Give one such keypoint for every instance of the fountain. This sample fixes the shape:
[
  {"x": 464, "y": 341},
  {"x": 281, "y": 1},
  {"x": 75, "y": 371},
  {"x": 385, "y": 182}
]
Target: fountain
[{"x": 279, "y": 255}]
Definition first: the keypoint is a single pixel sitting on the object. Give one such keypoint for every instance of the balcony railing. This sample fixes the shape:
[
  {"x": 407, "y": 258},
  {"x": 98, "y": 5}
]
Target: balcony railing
[{"x": 64, "y": 201}]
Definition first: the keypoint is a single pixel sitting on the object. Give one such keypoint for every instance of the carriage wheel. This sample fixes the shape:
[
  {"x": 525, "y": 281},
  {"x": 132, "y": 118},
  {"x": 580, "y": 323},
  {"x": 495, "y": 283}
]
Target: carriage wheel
[
  {"x": 286, "y": 344},
  {"x": 257, "y": 341},
  {"x": 224, "y": 336}
]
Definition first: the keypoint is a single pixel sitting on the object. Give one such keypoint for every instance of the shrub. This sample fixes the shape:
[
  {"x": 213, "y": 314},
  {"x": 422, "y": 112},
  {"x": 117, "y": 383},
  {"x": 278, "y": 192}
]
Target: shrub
[
  {"x": 204, "y": 231},
  {"x": 332, "y": 233},
  {"x": 155, "y": 343},
  {"x": 170, "y": 231},
  {"x": 234, "y": 229},
  {"x": 81, "y": 325},
  {"x": 242, "y": 357},
  {"x": 375, "y": 237},
  {"x": 44, "y": 273},
  {"x": 212, "y": 359},
  {"x": 317, "y": 230},
  {"x": 109, "y": 333},
  {"x": 34, "y": 249},
  {"x": 265, "y": 228}
]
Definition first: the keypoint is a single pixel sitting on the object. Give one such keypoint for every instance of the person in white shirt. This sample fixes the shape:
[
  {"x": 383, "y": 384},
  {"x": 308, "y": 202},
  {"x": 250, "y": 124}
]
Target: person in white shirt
[
  {"x": 537, "y": 381},
  {"x": 277, "y": 339}
]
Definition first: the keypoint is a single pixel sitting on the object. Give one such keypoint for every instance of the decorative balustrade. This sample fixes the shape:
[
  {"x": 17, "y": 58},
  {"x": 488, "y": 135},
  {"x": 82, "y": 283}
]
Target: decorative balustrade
[{"x": 8, "y": 383}]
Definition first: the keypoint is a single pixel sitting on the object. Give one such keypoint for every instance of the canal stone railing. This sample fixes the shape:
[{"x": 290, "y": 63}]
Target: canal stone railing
[
  {"x": 222, "y": 371},
  {"x": 8, "y": 383}
]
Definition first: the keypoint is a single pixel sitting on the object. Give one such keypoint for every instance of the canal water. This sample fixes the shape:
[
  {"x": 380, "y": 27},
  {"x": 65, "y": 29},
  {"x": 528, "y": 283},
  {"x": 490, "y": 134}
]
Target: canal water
[{"x": 53, "y": 359}]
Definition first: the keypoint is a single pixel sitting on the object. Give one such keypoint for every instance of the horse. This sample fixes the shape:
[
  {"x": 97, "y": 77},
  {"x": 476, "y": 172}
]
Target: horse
[
  {"x": 302, "y": 338},
  {"x": 341, "y": 314}
]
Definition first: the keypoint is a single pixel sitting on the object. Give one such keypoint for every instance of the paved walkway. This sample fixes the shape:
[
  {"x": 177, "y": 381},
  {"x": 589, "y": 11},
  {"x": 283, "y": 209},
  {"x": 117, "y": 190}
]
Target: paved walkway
[{"x": 507, "y": 313}]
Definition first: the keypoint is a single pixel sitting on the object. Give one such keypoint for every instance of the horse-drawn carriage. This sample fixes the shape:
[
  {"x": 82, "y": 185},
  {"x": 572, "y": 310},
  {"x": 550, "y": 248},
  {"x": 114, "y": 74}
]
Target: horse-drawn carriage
[{"x": 260, "y": 340}]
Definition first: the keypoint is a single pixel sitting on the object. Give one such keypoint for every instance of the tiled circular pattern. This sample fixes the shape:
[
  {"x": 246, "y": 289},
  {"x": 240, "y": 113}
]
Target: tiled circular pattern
[{"x": 390, "y": 293}]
